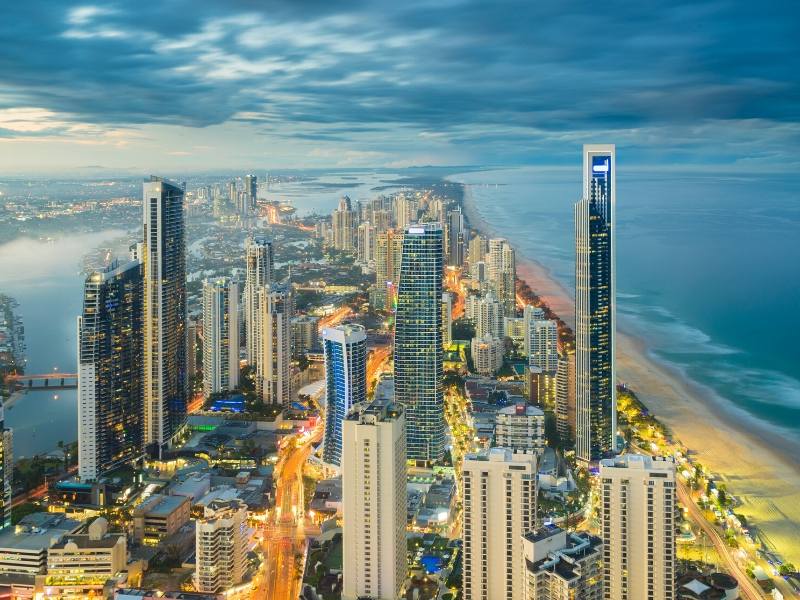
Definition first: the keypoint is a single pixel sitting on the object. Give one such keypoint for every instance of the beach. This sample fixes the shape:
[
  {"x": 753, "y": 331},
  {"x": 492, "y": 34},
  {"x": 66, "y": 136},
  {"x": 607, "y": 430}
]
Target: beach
[{"x": 761, "y": 470}]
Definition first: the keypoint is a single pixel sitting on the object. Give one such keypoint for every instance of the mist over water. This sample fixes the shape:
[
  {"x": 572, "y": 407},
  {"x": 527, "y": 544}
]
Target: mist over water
[{"x": 708, "y": 267}]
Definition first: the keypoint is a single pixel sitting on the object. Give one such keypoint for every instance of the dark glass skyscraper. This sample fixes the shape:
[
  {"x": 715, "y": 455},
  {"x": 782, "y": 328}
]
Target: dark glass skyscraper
[
  {"x": 418, "y": 341},
  {"x": 346, "y": 381},
  {"x": 164, "y": 257},
  {"x": 110, "y": 370},
  {"x": 596, "y": 410}
]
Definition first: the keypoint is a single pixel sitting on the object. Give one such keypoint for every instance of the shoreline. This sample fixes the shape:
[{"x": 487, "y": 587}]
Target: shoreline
[{"x": 758, "y": 467}]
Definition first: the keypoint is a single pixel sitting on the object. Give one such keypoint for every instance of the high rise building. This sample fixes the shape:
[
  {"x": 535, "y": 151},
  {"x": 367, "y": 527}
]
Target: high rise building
[
  {"x": 305, "y": 334},
  {"x": 595, "y": 312},
  {"x": 487, "y": 354},
  {"x": 456, "y": 235},
  {"x": 346, "y": 382},
  {"x": 499, "y": 508},
  {"x": 374, "y": 502},
  {"x": 259, "y": 271},
  {"x": 221, "y": 540},
  {"x": 562, "y": 566},
  {"x": 344, "y": 226},
  {"x": 418, "y": 350},
  {"x": 220, "y": 336},
  {"x": 542, "y": 344},
  {"x": 251, "y": 189},
  {"x": 405, "y": 212},
  {"x": 565, "y": 397},
  {"x": 489, "y": 317},
  {"x": 502, "y": 274},
  {"x": 478, "y": 249},
  {"x": 164, "y": 257},
  {"x": 447, "y": 319},
  {"x": 110, "y": 370},
  {"x": 638, "y": 527},
  {"x": 273, "y": 374},
  {"x": 388, "y": 254},
  {"x": 191, "y": 353},
  {"x": 366, "y": 243}
]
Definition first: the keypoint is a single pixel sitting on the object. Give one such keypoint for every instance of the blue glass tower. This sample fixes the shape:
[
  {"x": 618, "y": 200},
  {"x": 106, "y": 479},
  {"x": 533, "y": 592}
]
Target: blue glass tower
[
  {"x": 418, "y": 341},
  {"x": 346, "y": 379},
  {"x": 595, "y": 315}
]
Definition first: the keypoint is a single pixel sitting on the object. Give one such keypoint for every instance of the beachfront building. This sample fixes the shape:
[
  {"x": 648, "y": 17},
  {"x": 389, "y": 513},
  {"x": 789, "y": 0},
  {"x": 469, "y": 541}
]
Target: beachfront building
[
  {"x": 638, "y": 505},
  {"x": 542, "y": 345},
  {"x": 455, "y": 237},
  {"x": 374, "y": 502},
  {"x": 346, "y": 382},
  {"x": 273, "y": 359},
  {"x": 595, "y": 313},
  {"x": 499, "y": 489},
  {"x": 478, "y": 248},
  {"x": 565, "y": 397},
  {"x": 418, "y": 352},
  {"x": 563, "y": 566},
  {"x": 502, "y": 273},
  {"x": 110, "y": 370},
  {"x": 163, "y": 252},
  {"x": 259, "y": 268},
  {"x": 220, "y": 336}
]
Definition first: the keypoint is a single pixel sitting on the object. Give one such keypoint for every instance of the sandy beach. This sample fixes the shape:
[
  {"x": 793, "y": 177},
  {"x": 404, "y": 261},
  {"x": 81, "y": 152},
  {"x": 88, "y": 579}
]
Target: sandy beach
[{"x": 762, "y": 470}]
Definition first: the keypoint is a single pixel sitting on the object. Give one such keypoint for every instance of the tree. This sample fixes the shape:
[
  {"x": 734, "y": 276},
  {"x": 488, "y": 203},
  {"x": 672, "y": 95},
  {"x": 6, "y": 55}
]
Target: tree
[{"x": 787, "y": 569}]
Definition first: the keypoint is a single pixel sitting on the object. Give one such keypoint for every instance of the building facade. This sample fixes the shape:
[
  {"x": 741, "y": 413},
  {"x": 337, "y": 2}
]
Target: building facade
[
  {"x": 487, "y": 354},
  {"x": 221, "y": 540},
  {"x": 418, "y": 352},
  {"x": 520, "y": 427},
  {"x": 374, "y": 502},
  {"x": 565, "y": 398},
  {"x": 164, "y": 257},
  {"x": 344, "y": 226},
  {"x": 502, "y": 274},
  {"x": 595, "y": 312},
  {"x": 455, "y": 238},
  {"x": 220, "y": 336},
  {"x": 447, "y": 319},
  {"x": 499, "y": 497},
  {"x": 638, "y": 504},
  {"x": 388, "y": 254},
  {"x": 273, "y": 363},
  {"x": 542, "y": 345},
  {"x": 110, "y": 370},
  {"x": 346, "y": 382},
  {"x": 259, "y": 269}
]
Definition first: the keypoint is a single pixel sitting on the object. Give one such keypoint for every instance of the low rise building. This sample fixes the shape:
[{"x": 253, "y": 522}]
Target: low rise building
[
  {"x": 159, "y": 517},
  {"x": 23, "y": 548},
  {"x": 520, "y": 427},
  {"x": 562, "y": 566},
  {"x": 80, "y": 565}
]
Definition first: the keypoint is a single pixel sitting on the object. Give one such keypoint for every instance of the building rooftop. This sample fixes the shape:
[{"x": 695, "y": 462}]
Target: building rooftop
[
  {"x": 562, "y": 560},
  {"x": 36, "y": 532},
  {"x": 521, "y": 410},
  {"x": 84, "y": 541},
  {"x": 159, "y": 505},
  {"x": 638, "y": 461}
]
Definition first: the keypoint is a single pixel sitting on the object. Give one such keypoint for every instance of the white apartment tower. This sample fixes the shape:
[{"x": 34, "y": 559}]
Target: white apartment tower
[
  {"x": 259, "y": 259},
  {"x": 542, "y": 343},
  {"x": 499, "y": 489},
  {"x": 638, "y": 527},
  {"x": 273, "y": 361},
  {"x": 489, "y": 317},
  {"x": 502, "y": 272},
  {"x": 221, "y": 539},
  {"x": 374, "y": 502},
  {"x": 220, "y": 335},
  {"x": 344, "y": 226}
]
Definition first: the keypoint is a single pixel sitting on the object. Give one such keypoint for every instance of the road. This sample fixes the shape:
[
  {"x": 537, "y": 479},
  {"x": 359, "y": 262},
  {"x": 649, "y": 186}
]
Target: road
[
  {"x": 747, "y": 588},
  {"x": 376, "y": 362},
  {"x": 284, "y": 535},
  {"x": 453, "y": 284},
  {"x": 336, "y": 317}
]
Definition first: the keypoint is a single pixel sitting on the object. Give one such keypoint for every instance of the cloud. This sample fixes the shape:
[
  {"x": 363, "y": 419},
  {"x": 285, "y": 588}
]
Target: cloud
[{"x": 490, "y": 82}]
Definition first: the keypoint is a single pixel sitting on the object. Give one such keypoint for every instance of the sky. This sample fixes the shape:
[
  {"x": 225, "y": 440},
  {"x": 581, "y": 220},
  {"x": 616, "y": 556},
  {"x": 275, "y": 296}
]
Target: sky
[{"x": 194, "y": 85}]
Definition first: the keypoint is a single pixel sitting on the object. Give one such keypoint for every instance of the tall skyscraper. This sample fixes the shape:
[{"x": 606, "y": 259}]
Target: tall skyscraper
[
  {"x": 251, "y": 189},
  {"x": 502, "y": 272},
  {"x": 406, "y": 211},
  {"x": 595, "y": 312},
  {"x": 489, "y": 317},
  {"x": 366, "y": 243},
  {"x": 447, "y": 318},
  {"x": 542, "y": 345},
  {"x": 478, "y": 249},
  {"x": 344, "y": 226},
  {"x": 374, "y": 502},
  {"x": 164, "y": 255},
  {"x": 110, "y": 370},
  {"x": 221, "y": 540},
  {"x": 455, "y": 240},
  {"x": 418, "y": 341},
  {"x": 565, "y": 397},
  {"x": 220, "y": 335},
  {"x": 273, "y": 374},
  {"x": 499, "y": 508},
  {"x": 638, "y": 527},
  {"x": 388, "y": 254},
  {"x": 346, "y": 382},
  {"x": 258, "y": 256}
]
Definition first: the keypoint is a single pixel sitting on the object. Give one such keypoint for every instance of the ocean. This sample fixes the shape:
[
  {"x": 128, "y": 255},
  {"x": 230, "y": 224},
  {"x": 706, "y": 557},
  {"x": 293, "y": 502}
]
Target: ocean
[{"x": 708, "y": 267}]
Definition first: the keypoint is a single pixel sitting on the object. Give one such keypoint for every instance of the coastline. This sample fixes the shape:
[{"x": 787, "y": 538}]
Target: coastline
[{"x": 758, "y": 468}]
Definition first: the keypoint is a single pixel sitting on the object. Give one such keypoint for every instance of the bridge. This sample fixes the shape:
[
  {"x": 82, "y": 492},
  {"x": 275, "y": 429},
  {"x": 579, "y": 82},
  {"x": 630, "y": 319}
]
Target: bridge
[{"x": 54, "y": 381}]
